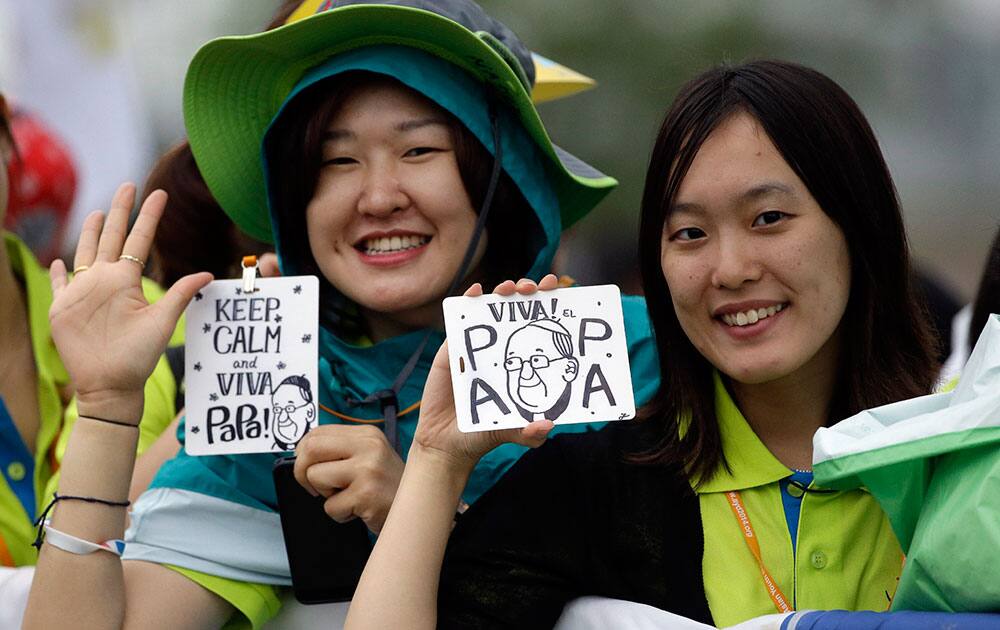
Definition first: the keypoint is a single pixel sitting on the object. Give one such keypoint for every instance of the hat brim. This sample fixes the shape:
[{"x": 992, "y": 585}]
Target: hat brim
[{"x": 236, "y": 85}]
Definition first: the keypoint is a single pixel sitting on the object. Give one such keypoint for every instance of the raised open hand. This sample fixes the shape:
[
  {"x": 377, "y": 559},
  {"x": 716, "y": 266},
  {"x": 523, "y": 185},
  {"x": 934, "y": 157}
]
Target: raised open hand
[
  {"x": 437, "y": 428},
  {"x": 108, "y": 336}
]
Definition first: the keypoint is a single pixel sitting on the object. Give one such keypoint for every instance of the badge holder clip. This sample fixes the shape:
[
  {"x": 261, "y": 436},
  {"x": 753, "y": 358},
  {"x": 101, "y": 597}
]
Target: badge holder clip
[{"x": 249, "y": 264}]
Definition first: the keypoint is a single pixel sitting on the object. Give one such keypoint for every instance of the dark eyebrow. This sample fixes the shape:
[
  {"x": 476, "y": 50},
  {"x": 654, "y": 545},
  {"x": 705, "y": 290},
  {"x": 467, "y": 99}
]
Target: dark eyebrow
[
  {"x": 337, "y": 134},
  {"x": 417, "y": 123},
  {"x": 765, "y": 188},
  {"x": 403, "y": 127},
  {"x": 751, "y": 194},
  {"x": 690, "y": 208}
]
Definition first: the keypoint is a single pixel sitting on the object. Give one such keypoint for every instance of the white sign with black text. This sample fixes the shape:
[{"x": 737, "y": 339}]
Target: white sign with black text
[
  {"x": 250, "y": 366},
  {"x": 560, "y": 355}
]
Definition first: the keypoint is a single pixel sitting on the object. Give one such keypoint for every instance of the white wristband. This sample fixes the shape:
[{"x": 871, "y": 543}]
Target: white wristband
[{"x": 79, "y": 546}]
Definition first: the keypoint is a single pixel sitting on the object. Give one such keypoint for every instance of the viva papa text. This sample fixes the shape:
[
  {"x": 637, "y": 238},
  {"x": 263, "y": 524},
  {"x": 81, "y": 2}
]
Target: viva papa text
[{"x": 243, "y": 327}]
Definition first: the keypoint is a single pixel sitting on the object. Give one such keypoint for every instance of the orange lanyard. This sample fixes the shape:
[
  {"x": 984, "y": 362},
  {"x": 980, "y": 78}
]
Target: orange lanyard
[
  {"x": 366, "y": 420},
  {"x": 6, "y": 560},
  {"x": 740, "y": 512}
]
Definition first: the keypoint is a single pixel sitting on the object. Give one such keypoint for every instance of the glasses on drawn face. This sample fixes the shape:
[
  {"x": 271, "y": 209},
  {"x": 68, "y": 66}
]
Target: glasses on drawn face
[
  {"x": 536, "y": 361},
  {"x": 289, "y": 408}
]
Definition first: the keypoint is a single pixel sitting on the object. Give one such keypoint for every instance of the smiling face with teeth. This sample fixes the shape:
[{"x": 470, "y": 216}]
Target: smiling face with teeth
[
  {"x": 390, "y": 218},
  {"x": 758, "y": 274}
]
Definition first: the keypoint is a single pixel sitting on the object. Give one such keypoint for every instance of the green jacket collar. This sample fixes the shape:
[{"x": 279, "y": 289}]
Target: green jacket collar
[{"x": 750, "y": 463}]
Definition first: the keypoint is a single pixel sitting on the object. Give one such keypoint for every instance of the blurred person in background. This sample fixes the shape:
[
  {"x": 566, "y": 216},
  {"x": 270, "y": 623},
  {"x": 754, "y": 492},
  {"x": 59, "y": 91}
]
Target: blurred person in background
[
  {"x": 106, "y": 75},
  {"x": 195, "y": 234},
  {"x": 969, "y": 322},
  {"x": 41, "y": 177},
  {"x": 36, "y": 405},
  {"x": 34, "y": 390},
  {"x": 988, "y": 297}
]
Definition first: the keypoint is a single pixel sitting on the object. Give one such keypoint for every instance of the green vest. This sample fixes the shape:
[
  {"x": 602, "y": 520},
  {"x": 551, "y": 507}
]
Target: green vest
[{"x": 16, "y": 530}]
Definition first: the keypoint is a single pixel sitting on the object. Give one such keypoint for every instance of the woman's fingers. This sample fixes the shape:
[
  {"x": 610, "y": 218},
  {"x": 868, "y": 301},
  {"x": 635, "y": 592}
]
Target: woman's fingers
[
  {"x": 549, "y": 282},
  {"x": 474, "y": 291},
  {"x": 57, "y": 275},
  {"x": 526, "y": 286},
  {"x": 109, "y": 248},
  {"x": 328, "y": 478},
  {"x": 441, "y": 357},
  {"x": 268, "y": 265},
  {"x": 140, "y": 238},
  {"x": 535, "y": 433},
  {"x": 299, "y": 470},
  {"x": 339, "y": 507},
  {"x": 507, "y": 287},
  {"x": 171, "y": 305},
  {"x": 86, "y": 245},
  {"x": 532, "y": 436}
]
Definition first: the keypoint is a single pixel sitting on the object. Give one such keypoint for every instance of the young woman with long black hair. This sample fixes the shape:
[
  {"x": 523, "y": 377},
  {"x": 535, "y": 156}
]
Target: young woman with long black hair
[{"x": 776, "y": 271}]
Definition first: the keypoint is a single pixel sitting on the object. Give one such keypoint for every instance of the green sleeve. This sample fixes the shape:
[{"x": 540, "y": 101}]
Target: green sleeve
[{"x": 255, "y": 603}]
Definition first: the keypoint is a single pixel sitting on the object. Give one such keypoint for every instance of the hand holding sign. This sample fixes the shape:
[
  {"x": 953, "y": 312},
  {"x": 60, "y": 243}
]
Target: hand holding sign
[
  {"x": 438, "y": 427},
  {"x": 108, "y": 336}
]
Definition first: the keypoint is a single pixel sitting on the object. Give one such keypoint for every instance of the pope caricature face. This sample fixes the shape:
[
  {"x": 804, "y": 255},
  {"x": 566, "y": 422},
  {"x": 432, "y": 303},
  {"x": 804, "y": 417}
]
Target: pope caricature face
[
  {"x": 294, "y": 411},
  {"x": 540, "y": 369}
]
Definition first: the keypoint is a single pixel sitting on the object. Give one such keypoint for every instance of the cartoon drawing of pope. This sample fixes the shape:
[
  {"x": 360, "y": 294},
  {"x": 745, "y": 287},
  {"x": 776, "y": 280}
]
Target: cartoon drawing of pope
[
  {"x": 294, "y": 411},
  {"x": 541, "y": 369}
]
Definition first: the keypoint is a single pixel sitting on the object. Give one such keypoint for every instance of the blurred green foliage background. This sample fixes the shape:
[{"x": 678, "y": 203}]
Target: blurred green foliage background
[{"x": 923, "y": 72}]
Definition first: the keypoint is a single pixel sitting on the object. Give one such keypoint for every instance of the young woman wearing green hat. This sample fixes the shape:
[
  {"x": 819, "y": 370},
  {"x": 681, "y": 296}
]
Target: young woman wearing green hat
[
  {"x": 775, "y": 269},
  {"x": 394, "y": 151}
]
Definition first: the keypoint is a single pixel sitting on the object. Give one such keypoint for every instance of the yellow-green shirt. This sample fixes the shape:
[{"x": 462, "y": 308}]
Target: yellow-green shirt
[
  {"x": 846, "y": 555},
  {"x": 16, "y": 530}
]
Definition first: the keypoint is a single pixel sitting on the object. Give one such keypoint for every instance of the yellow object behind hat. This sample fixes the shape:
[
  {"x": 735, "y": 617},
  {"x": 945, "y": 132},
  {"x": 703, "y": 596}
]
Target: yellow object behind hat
[{"x": 554, "y": 80}]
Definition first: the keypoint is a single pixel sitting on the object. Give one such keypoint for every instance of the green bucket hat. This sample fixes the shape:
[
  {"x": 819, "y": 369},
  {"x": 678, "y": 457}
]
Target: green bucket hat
[{"x": 236, "y": 85}]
